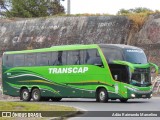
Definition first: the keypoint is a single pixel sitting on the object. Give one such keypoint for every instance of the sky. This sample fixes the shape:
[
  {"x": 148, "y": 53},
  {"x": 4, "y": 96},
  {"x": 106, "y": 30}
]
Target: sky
[{"x": 108, "y": 6}]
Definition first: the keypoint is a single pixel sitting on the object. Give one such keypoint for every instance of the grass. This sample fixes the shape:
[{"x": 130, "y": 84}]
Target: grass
[{"x": 24, "y": 106}]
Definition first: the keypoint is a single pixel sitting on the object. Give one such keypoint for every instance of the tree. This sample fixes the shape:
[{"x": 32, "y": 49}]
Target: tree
[
  {"x": 30, "y": 8},
  {"x": 4, "y": 7},
  {"x": 135, "y": 10},
  {"x": 122, "y": 11}
]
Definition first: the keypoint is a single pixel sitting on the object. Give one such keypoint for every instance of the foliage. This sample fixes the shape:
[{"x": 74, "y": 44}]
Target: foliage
[
  {"x": 135, "y": 10},
  {"x": 23, "y": 106},
  {"x": 32, "y": 106},
  {"x": 138, "y": 16},
  {"x": 4, "y": 6},
  {"x": 138, "y": 20},
  {"x": 30, "y": 8}
]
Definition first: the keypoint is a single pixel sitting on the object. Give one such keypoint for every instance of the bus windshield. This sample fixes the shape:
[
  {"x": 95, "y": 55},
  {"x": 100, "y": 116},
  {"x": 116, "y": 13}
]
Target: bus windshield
[
  {"x": 141, "y": 77},
  {"x": 136, "y": 56}
]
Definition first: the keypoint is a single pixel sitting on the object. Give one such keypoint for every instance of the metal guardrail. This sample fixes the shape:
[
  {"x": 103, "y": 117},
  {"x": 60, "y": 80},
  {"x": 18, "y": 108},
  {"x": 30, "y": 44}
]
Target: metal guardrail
[{"x": 156, "y": 85}]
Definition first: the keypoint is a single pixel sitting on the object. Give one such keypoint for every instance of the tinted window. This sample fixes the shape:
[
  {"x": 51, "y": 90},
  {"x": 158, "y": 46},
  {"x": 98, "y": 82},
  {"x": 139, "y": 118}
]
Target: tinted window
[
  {"x": 43, "y": 59},
  {"x": 8, "y": 60},
  {"x": 136, "y": 56},
  {"x": 64, "y": 57},
  {"x": 93, "y": 57},
  {"x": 18, "y": 60},
  {"x": 112, "y": 54},
  {"x": 82, "y": 56},
  {"x": 30, "y": 59},
  {"x": 61, "y": 59},
  {"x": 55, "y": 60},
  {"x": 74, "y": 58}
]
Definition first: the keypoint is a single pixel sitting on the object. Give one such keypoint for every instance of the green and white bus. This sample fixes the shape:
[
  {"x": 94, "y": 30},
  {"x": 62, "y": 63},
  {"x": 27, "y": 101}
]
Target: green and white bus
[{"x": 101, "y": 71}]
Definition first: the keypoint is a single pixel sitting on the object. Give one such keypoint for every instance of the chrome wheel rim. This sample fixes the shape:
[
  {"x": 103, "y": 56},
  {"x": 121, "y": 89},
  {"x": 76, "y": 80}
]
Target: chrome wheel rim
[
  {"x": 25, "y": 95},
  {"x": 102, "y": 95},
  {"x": 36, "y": 95}
]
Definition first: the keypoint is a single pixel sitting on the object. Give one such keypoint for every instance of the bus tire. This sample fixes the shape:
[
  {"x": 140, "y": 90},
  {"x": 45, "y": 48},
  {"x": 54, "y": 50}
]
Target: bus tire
[
  {"x": 102, "y": 95},
  {"x": 36, "y": 95},
  {"x": 25, "y": 95},
  {"x": 55, "y": 99},
  {"x": 123, "y": 100}
]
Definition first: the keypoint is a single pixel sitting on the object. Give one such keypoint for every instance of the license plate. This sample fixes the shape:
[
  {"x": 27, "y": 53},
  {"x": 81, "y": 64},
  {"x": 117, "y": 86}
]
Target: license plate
[{"x": 143, "y": 95}]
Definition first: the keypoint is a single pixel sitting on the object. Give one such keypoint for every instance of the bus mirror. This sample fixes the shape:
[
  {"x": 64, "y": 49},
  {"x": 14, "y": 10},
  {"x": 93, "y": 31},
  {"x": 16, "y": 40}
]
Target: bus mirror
[{"x": 116, "y": 77}]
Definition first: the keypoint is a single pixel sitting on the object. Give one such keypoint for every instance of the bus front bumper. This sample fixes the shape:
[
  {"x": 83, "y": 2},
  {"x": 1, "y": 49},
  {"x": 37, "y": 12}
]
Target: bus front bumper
[{"x": 140, "y": 94}]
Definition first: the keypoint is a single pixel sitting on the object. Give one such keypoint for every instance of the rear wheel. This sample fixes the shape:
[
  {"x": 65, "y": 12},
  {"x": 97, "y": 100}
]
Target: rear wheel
[
  {"x": 124, "y": 100},
  {"x": 36, "y": 94},
  {"x": 25, "y": 95},
  {"x": 102, "y": 95},
  {"x": 56, "y": 99}
]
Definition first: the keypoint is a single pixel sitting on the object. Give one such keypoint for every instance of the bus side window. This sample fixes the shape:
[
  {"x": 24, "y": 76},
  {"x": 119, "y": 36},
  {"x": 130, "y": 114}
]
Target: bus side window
[
  {"x": 18, "y": 60},
  {"x": 73, "y": 57},
  {"x": 64, "y": 57},
  {"x": 112, "y": 54},
  {"x": 55, "y": 59},
  {"x": 93, "y": 57},
  {"x": 61, "y": 59},
  {"x": 30, "y": 59},
  {"x": 8, "y": 60},
  {"x": 43, "y": 59}
]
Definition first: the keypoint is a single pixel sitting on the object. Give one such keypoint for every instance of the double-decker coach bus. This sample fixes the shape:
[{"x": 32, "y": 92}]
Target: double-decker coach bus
[{"x": 106, "y": 71}]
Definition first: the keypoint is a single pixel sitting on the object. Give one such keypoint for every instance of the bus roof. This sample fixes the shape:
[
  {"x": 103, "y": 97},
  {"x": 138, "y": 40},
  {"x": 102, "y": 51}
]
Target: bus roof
[
  {"x": 122, "y": 46},
  {"x": 55, "y": 48},
  {"x": 71, "y": 47}
]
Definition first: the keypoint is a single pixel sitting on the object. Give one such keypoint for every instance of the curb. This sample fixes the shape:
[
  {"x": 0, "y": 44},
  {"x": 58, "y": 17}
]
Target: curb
[{"x": 74, "y": 114}]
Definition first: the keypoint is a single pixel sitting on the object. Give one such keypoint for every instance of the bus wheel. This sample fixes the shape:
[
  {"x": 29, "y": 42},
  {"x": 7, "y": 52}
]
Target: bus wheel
[
  {"x": 124, "y": 100},
  {"x": 102, "y": 95},
  {"x": 36, "y": 94},
  {"x": 25, "y": 95},
  {"x": 56, "y": 99}
]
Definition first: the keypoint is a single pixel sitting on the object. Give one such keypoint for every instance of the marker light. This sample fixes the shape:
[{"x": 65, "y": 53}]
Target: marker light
[{"x": 133, "y": 95}]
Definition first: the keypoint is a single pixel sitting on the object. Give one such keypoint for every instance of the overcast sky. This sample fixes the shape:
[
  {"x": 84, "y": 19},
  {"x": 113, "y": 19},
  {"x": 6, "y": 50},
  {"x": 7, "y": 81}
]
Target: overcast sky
[{"x": 109, "y": 6}]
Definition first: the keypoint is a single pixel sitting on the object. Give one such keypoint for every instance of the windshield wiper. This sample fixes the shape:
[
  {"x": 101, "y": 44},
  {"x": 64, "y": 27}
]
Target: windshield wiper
[{"x": 137, "y": 63}]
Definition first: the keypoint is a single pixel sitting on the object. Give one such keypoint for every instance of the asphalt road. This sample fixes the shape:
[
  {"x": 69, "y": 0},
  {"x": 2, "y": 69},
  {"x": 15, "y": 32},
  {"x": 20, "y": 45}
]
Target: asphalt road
[{"x": 152, "y": 104}]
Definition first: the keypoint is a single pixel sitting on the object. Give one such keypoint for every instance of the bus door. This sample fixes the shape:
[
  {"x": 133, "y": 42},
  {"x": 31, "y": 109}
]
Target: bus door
[{"x": 121, "y": 76}]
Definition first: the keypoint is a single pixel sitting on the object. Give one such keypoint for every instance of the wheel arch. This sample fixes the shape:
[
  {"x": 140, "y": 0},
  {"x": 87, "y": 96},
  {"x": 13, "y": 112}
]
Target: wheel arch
[
  {"x": 99, "y": 87},
  {"x": 33, "y": 87},
  {"x": 23, "y": 87}
]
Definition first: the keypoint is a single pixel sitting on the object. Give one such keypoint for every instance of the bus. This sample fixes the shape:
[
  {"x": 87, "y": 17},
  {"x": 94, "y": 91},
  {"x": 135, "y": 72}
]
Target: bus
[{"x": 101, "y": 71}]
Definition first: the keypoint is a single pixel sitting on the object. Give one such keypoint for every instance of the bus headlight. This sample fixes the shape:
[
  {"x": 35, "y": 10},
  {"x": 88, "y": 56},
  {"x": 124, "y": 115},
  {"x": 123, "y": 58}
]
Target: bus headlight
[
  {"x": 133, "y": 95},
  {"x": 151, "y": 95}
]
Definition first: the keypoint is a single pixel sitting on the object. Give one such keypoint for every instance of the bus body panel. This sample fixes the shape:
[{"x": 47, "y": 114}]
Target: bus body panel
[
  {"x": 70, "y": 81},
  {"x": 81, "y": 84}
]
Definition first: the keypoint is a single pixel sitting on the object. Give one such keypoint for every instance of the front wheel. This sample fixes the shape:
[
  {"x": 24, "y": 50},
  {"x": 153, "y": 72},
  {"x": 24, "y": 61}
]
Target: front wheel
[
  {"x": 36, "y": 94},
  {"x": 102, "y": 95},
  {"x": 25, "y": 95}
]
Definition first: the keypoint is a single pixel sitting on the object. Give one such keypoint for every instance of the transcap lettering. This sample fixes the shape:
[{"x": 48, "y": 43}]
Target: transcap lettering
[{"x": 68, "y": 70}]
